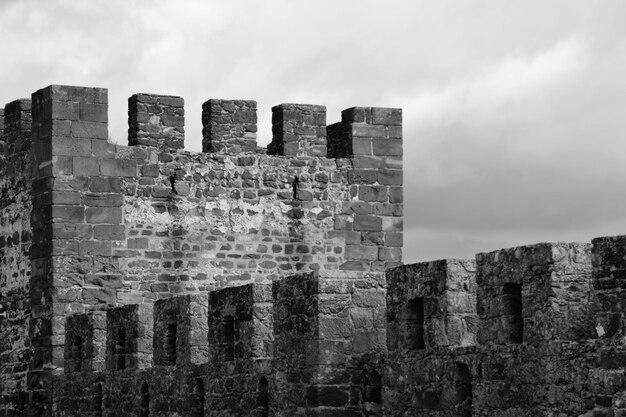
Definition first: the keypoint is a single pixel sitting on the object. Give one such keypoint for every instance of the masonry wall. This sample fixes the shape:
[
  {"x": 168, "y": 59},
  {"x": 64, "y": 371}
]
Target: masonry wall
[
  {"x": 15, "y": 265},
  {"x": 241, "y": 351},
  {"x": 562, "y": 365},
  {"x": 96, "y": 240},
  {"x": 554, "y": 283},
  {"x": 115, "y": 225},
  {"x": 330, "y": 343},
  {"x": 431, "y": 338}
]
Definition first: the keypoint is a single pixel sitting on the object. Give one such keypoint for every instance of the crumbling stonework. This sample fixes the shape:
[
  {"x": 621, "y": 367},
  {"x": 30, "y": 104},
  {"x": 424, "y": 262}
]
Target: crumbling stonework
[{"x": 146, "y": 280}]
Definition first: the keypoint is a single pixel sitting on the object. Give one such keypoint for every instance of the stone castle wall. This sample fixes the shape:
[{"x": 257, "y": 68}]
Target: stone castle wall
[
  {"x": 146, "y": 280},
  {"x": 89, "y": 225}
]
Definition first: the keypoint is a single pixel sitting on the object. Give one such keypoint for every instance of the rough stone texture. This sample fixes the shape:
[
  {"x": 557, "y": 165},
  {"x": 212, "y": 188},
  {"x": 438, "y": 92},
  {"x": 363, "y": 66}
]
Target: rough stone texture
[
  {"x": 298, "y": 130},
  {"x": 330, "y": 330},
  {"x": 148, "y": 280},
  {"x": 241, "y": 346},
  {"x": 229, "y": 126},
  {"x": 129, "y": 337},
  {"x": 180, "y": 330},
  {"x": 555, "y": 280},
  {"x": 609, "y": 266},
  {"x": 156, "y": 120},
  {"x": 15, "y": 264},
  {"x": 447, "y": 289},
  {"x": 85, "y": 346}
]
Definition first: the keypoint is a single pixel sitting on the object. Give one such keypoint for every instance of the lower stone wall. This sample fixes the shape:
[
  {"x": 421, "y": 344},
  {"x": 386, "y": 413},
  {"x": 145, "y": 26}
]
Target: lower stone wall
[
  {"x": 556, "y": 379},
  {"x": 15, "y": 306}
]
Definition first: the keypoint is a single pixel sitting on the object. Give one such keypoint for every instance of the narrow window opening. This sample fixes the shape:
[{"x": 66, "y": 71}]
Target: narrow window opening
[
  {"x": 145, "y": 400},
  {"x": 463, "y": 390},
  {"x": 373, "y": 394},
  {"x": 512, "y": 300},
  {"x": 415, "y": 324},
  {"x": 98, "y": 400},
  {"x": 263, "y": 397},
  {"x": 120, "y": 350},
  {"x": 78, "y": 353},
  {"x": 170, "y": 344},
  {"x": 229, "y": 338},
  {"x": 295, "y": 185},
  {"x": 198, "y": 405}
]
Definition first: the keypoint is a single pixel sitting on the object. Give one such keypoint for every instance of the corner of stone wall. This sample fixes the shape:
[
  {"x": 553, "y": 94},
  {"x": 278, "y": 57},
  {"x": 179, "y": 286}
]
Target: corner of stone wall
[
  {"x": 181, "y": 330},
  {"x": 85, "y": 342},
  {"x": 70, "y": 220},
  {"x": 371, "y": 219},
  {"x": 535, "y": 293},
  {"x": 246, "y": 312},
  {"x": 16, "y": 349},
  {"x": 129, "y": 342},
  {"x": 444, "y": 292},
  {"x": 17, "y": 149},
  {"x": 330, "y": 328},
  {"x": 609, "y": 278}
]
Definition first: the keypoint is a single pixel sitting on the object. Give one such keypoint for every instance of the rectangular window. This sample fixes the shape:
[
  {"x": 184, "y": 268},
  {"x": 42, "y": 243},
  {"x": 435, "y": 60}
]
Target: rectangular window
[
  {"x": 415, "y": 324},
  {"x": 120, "y": 350},
  {"x": 512, "y": 310}
]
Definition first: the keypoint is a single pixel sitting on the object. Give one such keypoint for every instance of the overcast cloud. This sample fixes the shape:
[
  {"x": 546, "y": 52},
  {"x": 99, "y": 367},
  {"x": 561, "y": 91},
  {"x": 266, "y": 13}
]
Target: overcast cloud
[{"x": 514, "y": 111}]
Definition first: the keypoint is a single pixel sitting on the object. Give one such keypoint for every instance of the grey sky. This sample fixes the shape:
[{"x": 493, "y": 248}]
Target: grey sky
[{"x": 514, "y": 111}]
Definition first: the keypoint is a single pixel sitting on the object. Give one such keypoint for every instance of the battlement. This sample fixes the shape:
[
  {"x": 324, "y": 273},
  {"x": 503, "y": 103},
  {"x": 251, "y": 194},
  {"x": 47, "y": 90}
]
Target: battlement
[
  {"x": 150, "y": 280},
  {"x": 104, "y": 226}
]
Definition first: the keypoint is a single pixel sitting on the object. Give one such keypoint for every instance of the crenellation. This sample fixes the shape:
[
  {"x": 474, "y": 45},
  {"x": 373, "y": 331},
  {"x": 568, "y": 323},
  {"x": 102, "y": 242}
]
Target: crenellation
[
  {"x": 85, "y": 347},
  {"x": 129, "y": 340},
  {"x": 17, "y": 138},
  {"x": 157, "y": 121},
  {"x": 298, "y": 130},
  {"x": 147, "y": 279},
  {"x": 229, "y": 126},
  {"x": 608, "y": 260},
  {"x": 432, "y": 304},
  {"x": 541, "y": 292},
  {"x": 181, "y": 330}
]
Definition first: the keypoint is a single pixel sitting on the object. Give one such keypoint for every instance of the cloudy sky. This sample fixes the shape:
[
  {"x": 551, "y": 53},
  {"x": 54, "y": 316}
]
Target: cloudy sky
[{"x": 514, "y": 111}]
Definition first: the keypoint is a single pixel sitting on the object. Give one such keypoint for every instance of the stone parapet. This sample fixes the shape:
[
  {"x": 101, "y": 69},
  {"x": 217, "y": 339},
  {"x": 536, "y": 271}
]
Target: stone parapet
[
  {"x": 156, "y": 120},
  {"x": 229, "y": 126},
  {"x": 298, "y": 130}
]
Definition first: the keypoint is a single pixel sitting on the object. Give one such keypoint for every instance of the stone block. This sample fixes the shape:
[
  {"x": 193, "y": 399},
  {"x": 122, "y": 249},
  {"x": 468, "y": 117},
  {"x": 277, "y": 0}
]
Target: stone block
[
  {"x": 108, "y": 215},
  {"x": 85, "y": 166},
  {"x": 119, "y": 167},
  {"x": 68, "y": 214},
  {"x": 103, "y": 200},
  {"x": 368, "y": 223},
  {"x": 89, "y": 130},
  {"x": 387, "y": 147},
  {"x": 109, "y": 232},
  {"x": 361, "y": 252},
  {"x": 386, "y": 116},
  {"x": 71, "y": 146}
]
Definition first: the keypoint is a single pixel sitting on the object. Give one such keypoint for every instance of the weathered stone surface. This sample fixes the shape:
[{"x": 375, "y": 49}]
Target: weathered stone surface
[
  {"x": 148, "y": 279},
  {"x": 156, "y": 120},
  {"x": 229, "y": 126},
  {"x": 298, "y": 130}
]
